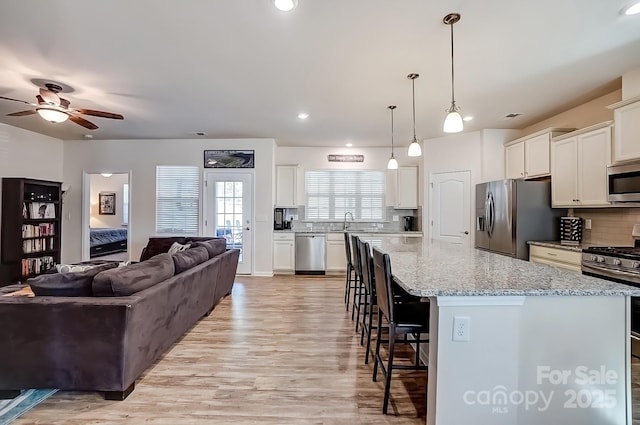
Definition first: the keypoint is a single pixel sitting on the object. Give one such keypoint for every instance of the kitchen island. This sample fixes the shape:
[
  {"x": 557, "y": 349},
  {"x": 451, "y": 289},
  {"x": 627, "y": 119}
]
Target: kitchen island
[{"x": 538, "y": 345}]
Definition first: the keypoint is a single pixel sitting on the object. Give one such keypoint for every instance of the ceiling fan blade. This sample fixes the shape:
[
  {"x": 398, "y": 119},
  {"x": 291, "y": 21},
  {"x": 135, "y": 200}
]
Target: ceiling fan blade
[
  {"x": 22, "y": 113},
  {"x": 64, "y": 102},
  {"x": 81, "y": 121},
  {"x": 50, "y": 97},
  {"x": 100, "y": 114},
  {"x": 17, "y": 100}
]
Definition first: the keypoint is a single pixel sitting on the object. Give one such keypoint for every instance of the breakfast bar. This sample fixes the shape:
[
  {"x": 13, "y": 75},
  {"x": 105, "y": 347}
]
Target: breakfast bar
[{"x": 514, "y": 342}]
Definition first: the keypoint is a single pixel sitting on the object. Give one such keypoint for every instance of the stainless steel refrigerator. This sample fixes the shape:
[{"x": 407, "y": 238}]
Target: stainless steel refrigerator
[{"x": 511, "y": 212}]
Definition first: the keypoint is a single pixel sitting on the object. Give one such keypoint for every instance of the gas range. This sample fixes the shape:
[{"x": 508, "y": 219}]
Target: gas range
[{"x": 621, "y": 264}]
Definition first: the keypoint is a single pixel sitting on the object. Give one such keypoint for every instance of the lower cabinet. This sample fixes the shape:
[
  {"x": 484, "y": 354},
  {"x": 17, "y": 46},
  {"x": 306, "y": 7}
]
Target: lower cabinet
[
  {"x": 558, "y": 257},
  {"x": 284, "y": 253},
  {"x": 336, "y": 255}
]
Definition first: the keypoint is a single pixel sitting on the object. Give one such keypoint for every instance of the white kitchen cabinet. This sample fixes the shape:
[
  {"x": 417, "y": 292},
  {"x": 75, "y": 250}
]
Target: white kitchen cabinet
[
  {"x": 284, "y": 253},
  {"x": 626, "y": 141},
  {"x": 528, "y": 157},
  {"x": 407, "y": 188},
  {"x": 557, "y": 257},
  {"x": 579, "y": 167},
  {"x": 336, "y": 258},
  {"x": 287, "y": 186}
]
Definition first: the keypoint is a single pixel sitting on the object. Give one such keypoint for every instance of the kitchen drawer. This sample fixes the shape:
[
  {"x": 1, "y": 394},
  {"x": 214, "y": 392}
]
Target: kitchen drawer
[
  {"x": 284, "y": 237},
  {"x": 570, "y": 260}
]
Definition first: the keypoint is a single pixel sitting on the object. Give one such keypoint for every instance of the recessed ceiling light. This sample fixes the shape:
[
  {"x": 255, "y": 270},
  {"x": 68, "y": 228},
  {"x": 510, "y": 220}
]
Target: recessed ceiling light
[
  {"x": 303, "y": 115},
  {"x": 285, "y": 5},
  {"x": 634, "y": 9},
  {"x": 467, "y": 118},
  {"x": 88, "y": 136},
  {"x": 349, "y": 145}
]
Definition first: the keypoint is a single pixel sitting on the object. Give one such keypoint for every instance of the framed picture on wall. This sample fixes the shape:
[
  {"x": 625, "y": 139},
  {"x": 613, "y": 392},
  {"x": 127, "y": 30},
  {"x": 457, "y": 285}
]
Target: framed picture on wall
[
  {"x": 107, "y": 203},
  {"x": 228, "y": 159}
]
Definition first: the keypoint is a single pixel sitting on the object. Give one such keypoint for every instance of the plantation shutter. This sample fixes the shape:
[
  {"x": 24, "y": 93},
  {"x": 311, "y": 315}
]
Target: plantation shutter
[
  {"x": 177, "y": 200},
  {"x": 332, "y": 193}
]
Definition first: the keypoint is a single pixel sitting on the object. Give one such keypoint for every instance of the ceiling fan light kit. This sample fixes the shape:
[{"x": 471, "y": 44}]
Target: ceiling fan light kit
[
  {"x": 453, "y": 122},
  {"x": 414, "y": 146},
  {"x": 52, "y": 115},
  {"x": 393, "y": 162}
]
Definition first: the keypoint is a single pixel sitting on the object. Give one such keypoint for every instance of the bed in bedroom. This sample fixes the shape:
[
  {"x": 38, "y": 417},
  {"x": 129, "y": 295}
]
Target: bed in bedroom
[{"x": 107, "y": 241}]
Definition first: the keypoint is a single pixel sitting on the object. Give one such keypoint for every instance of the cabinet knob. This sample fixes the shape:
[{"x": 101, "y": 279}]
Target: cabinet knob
[{"x": 522, "y": 174}]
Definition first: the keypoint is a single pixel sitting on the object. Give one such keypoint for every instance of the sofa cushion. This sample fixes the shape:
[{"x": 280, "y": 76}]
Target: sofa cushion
[
  {"x": 159, "y": 245},
  {"x": 127, "y": 280},
  {"x": 214, "y": 246},
  {"x": 71, "y": 284},
  {"x": 184, "y": 260}
]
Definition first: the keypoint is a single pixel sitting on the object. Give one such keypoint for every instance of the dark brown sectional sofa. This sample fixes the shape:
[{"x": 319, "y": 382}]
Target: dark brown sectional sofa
[{"x": 104, "y": 341}]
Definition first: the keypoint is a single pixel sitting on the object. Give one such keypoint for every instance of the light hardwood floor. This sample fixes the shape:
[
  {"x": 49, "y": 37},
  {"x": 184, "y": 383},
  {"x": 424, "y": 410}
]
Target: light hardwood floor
[{"x": 280, "y": 350}]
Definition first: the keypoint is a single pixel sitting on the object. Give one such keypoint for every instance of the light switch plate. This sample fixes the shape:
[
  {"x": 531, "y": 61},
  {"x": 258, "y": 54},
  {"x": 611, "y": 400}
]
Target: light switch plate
[
  {"x": 396, "y": 218},
  {"x": 587, "y": 223}
]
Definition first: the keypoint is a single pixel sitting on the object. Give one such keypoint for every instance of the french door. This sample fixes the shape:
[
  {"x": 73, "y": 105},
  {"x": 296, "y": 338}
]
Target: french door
[{"x": 228, "y": 212}]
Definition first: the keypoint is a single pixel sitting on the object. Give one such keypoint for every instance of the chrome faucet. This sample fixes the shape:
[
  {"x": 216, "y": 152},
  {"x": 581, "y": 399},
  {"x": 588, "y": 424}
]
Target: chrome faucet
[{"x": 346, "y": 226}]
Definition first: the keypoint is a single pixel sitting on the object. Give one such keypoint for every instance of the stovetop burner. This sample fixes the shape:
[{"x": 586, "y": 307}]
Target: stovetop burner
[{"x": 630, "y": 252}]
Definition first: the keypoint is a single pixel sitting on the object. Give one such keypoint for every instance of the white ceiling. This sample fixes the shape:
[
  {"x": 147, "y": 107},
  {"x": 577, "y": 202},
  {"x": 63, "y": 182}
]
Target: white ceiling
[{"x": 240, "y": 68}]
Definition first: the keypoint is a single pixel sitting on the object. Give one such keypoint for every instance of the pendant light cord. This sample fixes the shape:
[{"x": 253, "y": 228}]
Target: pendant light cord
[
  {"x": 392, "y": 131},
  {"x": 413, "y": 89},
  {"x": 453, "y": 98}
]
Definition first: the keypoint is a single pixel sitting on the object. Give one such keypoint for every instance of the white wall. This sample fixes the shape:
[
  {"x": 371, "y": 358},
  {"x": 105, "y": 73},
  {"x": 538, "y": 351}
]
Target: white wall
[
  {"x": 112, "y": 184},
  {"x": 24, "y": 153},
  {"x": 140, "y": 157},
  {"x": 631, "y": 84},
  {"x": 315, "y": 158}
]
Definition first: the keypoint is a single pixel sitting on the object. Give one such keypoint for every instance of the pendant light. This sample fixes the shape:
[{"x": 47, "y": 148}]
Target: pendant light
[
  {"x": 414, "y": 146},
  {"x": 453, "y": 122},
  {"x": 393, "y": 162}
]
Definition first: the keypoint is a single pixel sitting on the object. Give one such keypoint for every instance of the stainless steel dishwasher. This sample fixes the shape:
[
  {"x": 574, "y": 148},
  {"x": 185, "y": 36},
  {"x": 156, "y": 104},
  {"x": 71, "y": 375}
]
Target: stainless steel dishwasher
[{"x": 310, "y": 253}]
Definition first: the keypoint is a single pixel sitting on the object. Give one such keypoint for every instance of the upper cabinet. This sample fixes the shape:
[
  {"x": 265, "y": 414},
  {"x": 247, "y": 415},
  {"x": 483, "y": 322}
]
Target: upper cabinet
[
  {"x": 406, "y": 188},
  {"x": 529, "y": 157},
  {"x": 579, "y": 167},
  {"x": 626, "y": 141},
  {"x": 286, "y": 186}
]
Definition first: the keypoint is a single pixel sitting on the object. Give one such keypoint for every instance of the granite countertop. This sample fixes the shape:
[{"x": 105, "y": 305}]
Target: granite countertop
[
  {"x": 367, "y": 232},
  {"x": 558, "y": 245},
  {"x": 432, "y": 269}
]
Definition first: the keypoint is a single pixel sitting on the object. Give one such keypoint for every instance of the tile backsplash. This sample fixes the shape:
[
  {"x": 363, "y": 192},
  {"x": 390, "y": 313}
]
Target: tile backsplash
[
  {"x": 388, "y": 225},
  {"x": 609, "y": 226}
]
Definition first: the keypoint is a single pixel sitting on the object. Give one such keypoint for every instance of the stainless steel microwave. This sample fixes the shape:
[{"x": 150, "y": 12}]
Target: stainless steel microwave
[{"x": 623, "y": 182}]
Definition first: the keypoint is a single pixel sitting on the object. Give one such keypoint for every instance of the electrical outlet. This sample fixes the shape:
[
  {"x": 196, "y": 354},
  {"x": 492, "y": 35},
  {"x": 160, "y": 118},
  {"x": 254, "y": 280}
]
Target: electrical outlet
[
  {"x": 461, "y": 328},
  {"x": 295, "y": 216},
  {"x": 587, "y": 223},
  {"x": 309, "y": 225},
  {"x": 396, "y": 218}
]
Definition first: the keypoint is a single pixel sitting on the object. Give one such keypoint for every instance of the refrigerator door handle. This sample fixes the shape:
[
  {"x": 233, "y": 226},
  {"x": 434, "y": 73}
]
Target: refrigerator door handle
[
  {"x": 487, "y": 222},
  {"x": 492, "y": 210}
]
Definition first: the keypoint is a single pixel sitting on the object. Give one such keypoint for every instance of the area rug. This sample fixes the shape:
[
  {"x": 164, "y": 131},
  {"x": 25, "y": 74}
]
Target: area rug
[{"x": 12, "y": 409}]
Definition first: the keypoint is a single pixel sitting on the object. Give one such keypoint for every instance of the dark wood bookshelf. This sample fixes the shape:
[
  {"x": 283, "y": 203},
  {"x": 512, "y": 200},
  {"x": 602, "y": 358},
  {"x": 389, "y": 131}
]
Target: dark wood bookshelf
[{"x": 18, "y": 195}]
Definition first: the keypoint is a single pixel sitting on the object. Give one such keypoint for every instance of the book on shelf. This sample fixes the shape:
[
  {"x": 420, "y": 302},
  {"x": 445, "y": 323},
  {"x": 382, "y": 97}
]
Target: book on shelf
[
  {"x": 37, "y": 245},
  {"x": 35, "y": 230},
  {"x": 31, "y": 266},
  {"x": 41, "y": 210}
]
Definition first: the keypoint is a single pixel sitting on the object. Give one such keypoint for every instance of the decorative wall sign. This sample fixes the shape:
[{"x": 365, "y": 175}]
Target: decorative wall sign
[
  {"x": 345, "y": 158},
  {"x": 228, "y": 159},
  {"x": 107, "y": 205}
]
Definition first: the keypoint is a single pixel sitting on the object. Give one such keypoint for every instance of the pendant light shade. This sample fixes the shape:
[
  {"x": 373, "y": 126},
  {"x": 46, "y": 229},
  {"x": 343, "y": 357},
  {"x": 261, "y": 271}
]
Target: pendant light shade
[
  {"x": 393, "y": 162},
  {"x": 414, "y": 146},
  {"x": 453, "y": 121}
]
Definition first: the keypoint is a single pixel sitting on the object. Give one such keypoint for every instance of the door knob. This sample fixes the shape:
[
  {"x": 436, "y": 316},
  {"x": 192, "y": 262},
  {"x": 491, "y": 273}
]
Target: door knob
[
  {"x": 246, "y": 228},
  {"x": 466, "y": 232}
]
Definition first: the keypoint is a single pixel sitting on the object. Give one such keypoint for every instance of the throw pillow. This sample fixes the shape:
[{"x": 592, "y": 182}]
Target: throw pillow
[
  {"x": 176, "y": 247},
  {"x": 124, "y": 281},
  {"x": 187, "y": 259},
  {"x": 67, "y": 268},
  {"x": 71, "y": 284},
  {"x": 215, "y": 246}
]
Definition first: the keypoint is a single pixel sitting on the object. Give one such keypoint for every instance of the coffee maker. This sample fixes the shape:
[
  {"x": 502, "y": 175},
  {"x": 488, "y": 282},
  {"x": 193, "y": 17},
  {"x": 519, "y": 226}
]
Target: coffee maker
[
  {"x": 278, "y": 219},
  {"x": 408, "y": 223}
]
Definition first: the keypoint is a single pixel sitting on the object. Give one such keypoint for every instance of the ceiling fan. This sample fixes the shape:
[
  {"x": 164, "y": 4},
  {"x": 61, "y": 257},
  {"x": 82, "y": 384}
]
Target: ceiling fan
[{"x": 54, "y": 108}]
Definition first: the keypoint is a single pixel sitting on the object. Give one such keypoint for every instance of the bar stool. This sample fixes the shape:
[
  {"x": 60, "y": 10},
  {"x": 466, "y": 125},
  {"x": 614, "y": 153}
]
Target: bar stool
[
  {"x": 351, "y": 279},
  {"x": 358, "y": 290},
  {"x": 403, "y": 318},
  {"x": 370, "y": 300}
]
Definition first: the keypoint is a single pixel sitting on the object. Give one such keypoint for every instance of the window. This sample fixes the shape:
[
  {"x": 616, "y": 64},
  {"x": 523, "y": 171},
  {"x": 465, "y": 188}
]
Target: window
[
  {"x": 332, "y": 193},
  {"x": 177, "y": 200},
  {"x": 125, "y": 203}
]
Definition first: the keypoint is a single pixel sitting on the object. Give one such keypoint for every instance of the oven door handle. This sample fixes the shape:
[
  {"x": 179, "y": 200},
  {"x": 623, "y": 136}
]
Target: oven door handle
[{"x": 605, "y": 271}]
